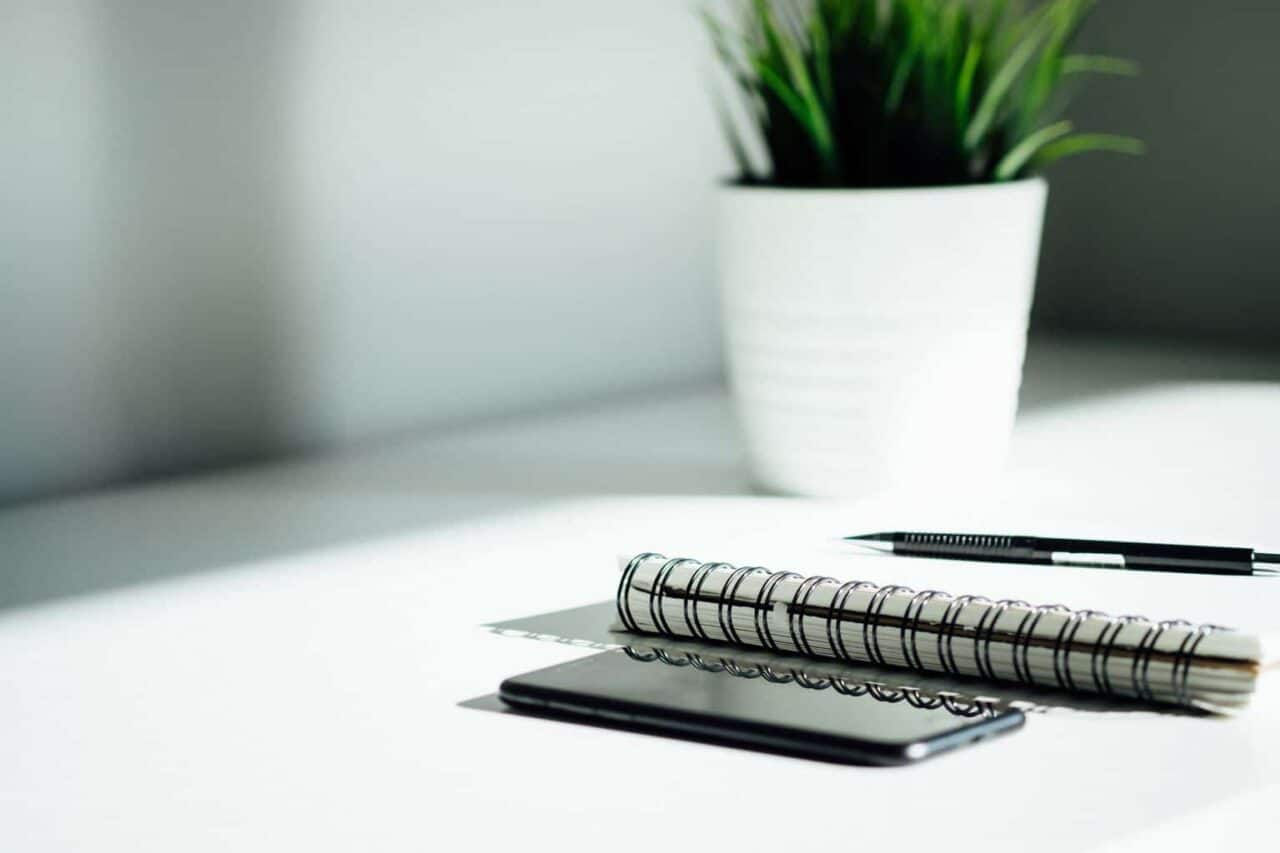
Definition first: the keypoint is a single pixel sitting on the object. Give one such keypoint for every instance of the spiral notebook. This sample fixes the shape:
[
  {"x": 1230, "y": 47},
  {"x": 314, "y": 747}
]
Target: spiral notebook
[{"x": 1172, "y": 662}]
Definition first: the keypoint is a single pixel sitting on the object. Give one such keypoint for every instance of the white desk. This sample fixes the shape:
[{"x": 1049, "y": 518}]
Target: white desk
[{"x": 273, "y": 659}]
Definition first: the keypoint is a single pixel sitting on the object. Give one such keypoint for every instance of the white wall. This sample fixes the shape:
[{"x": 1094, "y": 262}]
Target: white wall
[
  {"x": 56, "y": 412},
  {"x": 241, "y": 228}
]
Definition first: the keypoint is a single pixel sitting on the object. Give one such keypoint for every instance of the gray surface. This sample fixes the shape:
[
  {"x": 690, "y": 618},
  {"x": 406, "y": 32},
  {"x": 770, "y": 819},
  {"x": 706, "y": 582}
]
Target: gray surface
[{"x": 1181, "y": 241}]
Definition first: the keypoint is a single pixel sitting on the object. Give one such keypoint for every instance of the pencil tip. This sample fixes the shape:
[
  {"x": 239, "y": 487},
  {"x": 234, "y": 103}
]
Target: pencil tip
[{"x": 882, "y": 542}]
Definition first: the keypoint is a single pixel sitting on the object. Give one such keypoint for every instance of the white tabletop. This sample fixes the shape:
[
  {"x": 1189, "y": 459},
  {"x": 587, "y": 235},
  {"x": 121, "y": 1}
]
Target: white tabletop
[{"x": 275, "y": 658}]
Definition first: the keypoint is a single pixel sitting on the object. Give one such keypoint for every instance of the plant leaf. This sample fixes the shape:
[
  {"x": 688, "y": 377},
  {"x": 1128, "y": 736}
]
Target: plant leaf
[
  {"x": 898, "y": 82},
  {"x": 720, "y": 38},
  {"x": 821, "y": 40},
  {"x": 1002, "y": 82},
  {"x": 1021, "y": 153},
  {"x": 964, "y": 84},
  {"x": 1080, "y": 63},
  {"x": 1082, "y": 143},
  {"x": 817, "y": 124},
  {"x": 733, "y": 137},
  {"x": 783, "y": 92},
  {"x": 901, "y": 92}
]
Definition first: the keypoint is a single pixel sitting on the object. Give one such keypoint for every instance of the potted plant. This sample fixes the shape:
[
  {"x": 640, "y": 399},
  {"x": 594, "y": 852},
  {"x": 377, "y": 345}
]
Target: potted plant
[{"x": 878, "y": 248}]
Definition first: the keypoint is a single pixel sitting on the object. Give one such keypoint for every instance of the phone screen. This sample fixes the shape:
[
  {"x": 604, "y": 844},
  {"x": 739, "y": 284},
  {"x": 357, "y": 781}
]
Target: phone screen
[{"x": 742, "y": 704}]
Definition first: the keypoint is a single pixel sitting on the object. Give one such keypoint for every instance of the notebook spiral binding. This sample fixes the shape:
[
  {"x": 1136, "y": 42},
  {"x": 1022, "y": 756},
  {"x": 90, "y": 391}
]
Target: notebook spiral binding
[
  {"x": 911, "y": 632},
  {"x": 794, "y": 676}
]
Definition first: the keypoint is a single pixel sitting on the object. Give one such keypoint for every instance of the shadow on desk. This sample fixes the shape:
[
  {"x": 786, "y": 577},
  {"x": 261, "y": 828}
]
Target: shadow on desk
[
  {"x": 682, "y": 444},
  {"x": 1061, "y": 372}
]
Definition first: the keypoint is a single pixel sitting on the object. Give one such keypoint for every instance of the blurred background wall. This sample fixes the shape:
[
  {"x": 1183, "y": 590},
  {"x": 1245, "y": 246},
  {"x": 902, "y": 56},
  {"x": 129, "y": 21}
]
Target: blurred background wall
[
  {"x": 1181, "y": 242},
  {"x": 234, "y": 229},
  {"x": 237, "y": 229}
]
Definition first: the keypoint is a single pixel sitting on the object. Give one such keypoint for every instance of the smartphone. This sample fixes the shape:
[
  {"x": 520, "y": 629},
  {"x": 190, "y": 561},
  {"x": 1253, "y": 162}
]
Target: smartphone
[{"x": 736, "y": 706}]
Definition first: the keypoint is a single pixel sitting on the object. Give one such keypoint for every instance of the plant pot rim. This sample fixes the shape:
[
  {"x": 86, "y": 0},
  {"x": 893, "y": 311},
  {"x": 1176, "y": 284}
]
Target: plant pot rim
[{"x": 729, "y": 185}]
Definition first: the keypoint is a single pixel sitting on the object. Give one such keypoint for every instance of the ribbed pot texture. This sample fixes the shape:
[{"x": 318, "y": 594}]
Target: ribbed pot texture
[{"x": 875, "y": 338}]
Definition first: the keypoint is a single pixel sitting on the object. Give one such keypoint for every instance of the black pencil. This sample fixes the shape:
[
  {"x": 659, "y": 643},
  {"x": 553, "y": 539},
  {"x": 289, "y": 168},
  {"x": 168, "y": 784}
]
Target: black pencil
[{"x": 1097, "y": 553}]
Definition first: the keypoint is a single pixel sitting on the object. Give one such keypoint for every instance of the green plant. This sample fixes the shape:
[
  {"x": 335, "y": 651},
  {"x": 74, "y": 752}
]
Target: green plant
[{"x": 857, "y": 93}]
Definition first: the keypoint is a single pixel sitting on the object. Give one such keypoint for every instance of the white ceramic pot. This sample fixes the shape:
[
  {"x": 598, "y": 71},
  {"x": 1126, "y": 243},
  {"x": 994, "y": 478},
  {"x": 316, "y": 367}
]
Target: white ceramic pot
[{"x": 875, "y": 337}]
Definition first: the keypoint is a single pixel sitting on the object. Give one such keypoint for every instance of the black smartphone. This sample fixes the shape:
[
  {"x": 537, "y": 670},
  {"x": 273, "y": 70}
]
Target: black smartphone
[{"x": 738, "y": 706}]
